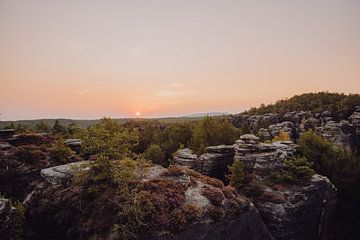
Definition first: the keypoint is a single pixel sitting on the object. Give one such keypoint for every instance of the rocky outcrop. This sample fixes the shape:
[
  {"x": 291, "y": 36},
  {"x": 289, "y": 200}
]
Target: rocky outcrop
[
  {"x": 212, "y": 211},
  {"x": 340, "y": 134},
  {"x": 287, "y": 127},
  {"x": 290, "y": 211},
  {"x": 74, "y": 144},
  {"x": 185, "y": 157},
  {"x": 6, "y": 133},
  {"x": 258, "y": 157},
  {"x": 62, "y": 174},
  {"x": 212, "y": 163}
]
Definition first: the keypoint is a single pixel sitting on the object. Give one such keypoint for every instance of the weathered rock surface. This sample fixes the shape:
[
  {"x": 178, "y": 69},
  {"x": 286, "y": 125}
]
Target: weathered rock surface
[
  {"x": 337, "y": 127},
  {"x": 339, "y": 134},
  {"x": 63, "y": 173},
  {"x": 185, "y": 157},
  {"x": 74, "y": 144},
  {"x": 293, "y": 211},
  {"x": 258, "y": 157},
  {"x": 287, "y": 127},
  {"x": 212, "y": 163}
]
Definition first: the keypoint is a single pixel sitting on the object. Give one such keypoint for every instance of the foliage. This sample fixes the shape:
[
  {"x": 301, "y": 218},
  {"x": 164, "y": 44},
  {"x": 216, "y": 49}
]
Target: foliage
[
  {"x": 110, "y": 139},
  {"x": 282, "y": 136},
  {"x": 154, "y": 154},
  {"x": 58, "y": 128},
  {"x": 42, "y": 127},
  {"x": 215, "y": 195},
  {"x": 341, "y": 167},
  {"x": 60, "y": 152},
  {"x": 30, "y": 154},
  {"x": 236, "y": 175},
  {"x": 315, "y": 102},
  {"x": 210, "y": 132},
  {"x": 74, "y": 131},
  {"x": 297, "y": 170}
]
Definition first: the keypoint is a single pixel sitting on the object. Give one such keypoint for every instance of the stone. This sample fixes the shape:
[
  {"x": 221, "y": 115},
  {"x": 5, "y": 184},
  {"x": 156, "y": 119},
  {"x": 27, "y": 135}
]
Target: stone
[
  {"x": 6, "y": 133},
  {"x": 338, "y": 133},
  {"x": 185, "y": 157},
  {"x": 286, "y": 207},
  {"x": 74, "y": 144},
  {"x": 62, "y": 174},
  {"x": 214, "y": 162},
  {"x": 287, "y": 127}
]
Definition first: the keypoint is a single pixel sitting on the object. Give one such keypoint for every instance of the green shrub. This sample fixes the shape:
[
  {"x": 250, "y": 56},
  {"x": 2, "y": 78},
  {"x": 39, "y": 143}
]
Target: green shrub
[
  {"x": 60, "y": 152},
  {"x": 296, "y": 170},
  {"x": 282, "y": 136},
  {"x": 236, "y": 175},
  {"x": 155, "y": 154}
]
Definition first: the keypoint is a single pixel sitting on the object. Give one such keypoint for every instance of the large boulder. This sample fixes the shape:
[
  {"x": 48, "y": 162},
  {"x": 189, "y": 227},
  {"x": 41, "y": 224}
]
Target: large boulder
[
  {"x": 185, "y": 157},
  {"x": 63, "y": 173},
  {"x": 212, "y": 163}
]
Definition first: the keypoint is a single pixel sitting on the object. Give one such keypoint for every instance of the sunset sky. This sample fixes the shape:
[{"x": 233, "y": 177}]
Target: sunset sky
[{"x": 89, "y": 59}]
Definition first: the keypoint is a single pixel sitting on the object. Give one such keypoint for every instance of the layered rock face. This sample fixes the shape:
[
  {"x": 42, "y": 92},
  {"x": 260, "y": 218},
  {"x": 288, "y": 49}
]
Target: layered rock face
[
  {"x": 296, "y": 211},
  {"x": 212, "y": 163},
  {"x": 220, "y": 212},
  {"x": 258, "y": 158},
  {"x": 340, "y": 130}
]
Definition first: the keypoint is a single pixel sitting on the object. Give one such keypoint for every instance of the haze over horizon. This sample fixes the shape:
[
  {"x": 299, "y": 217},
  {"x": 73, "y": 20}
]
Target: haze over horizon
[{"x": 140, "y": 58}]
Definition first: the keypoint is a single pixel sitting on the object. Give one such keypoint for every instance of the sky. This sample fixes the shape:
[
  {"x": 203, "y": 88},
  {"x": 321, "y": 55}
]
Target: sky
[{"x": 154, "y": 58}]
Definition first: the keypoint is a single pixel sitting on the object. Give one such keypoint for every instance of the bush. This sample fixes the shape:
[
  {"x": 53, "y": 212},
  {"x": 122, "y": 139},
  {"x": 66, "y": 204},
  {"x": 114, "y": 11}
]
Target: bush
[
  {"x": 110, "y": 139},
  {"x": 341, "y": 167},
  {"x": 296, "y": 170},
  {"x": 60, "y": 152},
  {"x": 282, "y": 136},
  {"x": 215, "y": 195},
  {"x": 30, "y": 154},
  {"x": 236, "y": 175},
  {"x": 154, "y": 154},
  {"x": 210, "y": 132}
]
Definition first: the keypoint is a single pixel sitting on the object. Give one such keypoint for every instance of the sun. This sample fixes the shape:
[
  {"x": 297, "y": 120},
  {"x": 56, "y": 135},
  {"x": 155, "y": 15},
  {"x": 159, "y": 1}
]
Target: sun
[{"x": 137, "y": 114}]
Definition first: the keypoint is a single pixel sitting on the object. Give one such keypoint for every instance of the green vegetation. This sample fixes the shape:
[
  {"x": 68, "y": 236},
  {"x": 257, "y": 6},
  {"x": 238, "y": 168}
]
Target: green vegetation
[
  {"x": 341, "y": 167},
  {"x": 315, "y": 102},
  {"x": 154, "y": 154},
  {"x": 110, "y": 139},
  {"x": 297, "y": 170},
  {"x": 236, "y": 175},
  {"x": 60, "y": 152},
  {"x": 282, "y": 136},
  {"x": 211, "y": 132}
]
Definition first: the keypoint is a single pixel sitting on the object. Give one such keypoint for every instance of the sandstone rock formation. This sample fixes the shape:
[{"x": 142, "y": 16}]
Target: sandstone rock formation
[
  {"x": 62, "y": 174},
  {"x": 212, "y": 163},
  {"x": 290, "y": 211}
]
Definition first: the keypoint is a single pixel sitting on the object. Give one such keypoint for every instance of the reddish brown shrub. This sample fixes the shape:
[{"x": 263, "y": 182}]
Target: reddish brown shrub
[{"x": 215, "y": 195}]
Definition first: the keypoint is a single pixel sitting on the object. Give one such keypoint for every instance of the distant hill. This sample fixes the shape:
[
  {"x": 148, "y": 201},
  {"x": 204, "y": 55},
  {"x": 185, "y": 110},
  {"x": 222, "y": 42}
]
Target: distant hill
[
  {"x": 85, "y": 123},
  {"x": 336, "y": 103},
  {"x": 210, "y": 114}
]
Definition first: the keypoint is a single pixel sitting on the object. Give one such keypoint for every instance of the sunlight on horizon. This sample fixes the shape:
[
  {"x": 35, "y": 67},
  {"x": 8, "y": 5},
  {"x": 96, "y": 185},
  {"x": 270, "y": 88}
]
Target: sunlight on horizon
[{"x": 88, "y": 59}]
